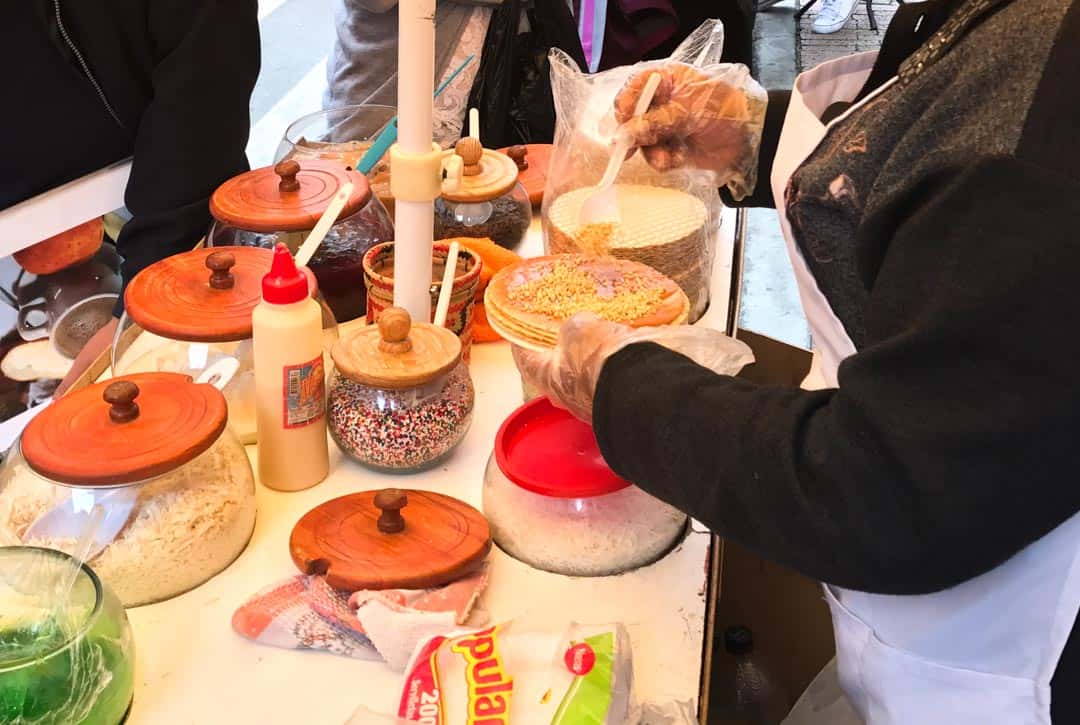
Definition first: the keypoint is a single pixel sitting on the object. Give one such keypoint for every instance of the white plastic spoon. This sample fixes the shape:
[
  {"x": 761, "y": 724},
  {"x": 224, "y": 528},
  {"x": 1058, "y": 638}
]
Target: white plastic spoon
[
  {"x": 318, "y": 233},
  {"x": 443, "y": 305},
  {"x": 602, "y": 206}
]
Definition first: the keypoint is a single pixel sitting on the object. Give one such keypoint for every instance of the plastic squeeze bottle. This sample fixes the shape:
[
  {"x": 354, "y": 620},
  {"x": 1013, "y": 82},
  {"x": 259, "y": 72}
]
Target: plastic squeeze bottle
[{"x": 290, "y": 383}]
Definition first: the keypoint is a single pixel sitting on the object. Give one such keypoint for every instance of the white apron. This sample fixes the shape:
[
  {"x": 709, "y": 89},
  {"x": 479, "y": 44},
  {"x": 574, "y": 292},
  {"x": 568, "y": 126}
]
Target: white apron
[{"x": 983, "y": 652}]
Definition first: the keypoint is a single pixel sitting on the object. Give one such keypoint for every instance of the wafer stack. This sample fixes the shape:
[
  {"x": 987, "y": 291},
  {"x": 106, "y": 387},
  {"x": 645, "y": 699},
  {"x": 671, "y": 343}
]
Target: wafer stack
[
  {"x": 663, "y": 228},
  {"x": 528, "y": 302}
]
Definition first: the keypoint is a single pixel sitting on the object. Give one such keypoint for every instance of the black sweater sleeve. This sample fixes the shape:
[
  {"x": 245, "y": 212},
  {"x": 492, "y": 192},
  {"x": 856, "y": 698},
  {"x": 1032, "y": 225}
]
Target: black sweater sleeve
[
  {"x": 762, "y": 195},
  {"x": 192, "y": 135},
  {"x": 951, "y": 441}
]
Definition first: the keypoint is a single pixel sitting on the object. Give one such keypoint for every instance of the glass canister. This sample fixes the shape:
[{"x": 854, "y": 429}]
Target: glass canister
[
  {"x": 196, "y": 307},
  {"x": 554, "y": 504},
  {"x": 532, "y": 162},
  {"x": 282, "y": 203},
  {"x": 342, "y": 134},
  {"x": 174, "y": 485},
  {"x": 65, "y": 656},
  {"x": 401, "y": 398},
  {"x": 490, "y": 201}
]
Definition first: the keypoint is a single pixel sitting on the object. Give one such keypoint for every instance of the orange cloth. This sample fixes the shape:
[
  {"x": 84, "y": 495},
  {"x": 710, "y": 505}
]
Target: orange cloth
[{"x": 493, "y": 258}]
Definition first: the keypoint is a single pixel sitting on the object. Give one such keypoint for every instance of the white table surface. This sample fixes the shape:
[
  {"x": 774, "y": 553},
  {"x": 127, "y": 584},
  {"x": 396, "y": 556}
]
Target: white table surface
[{"x": 192, "y": 668}]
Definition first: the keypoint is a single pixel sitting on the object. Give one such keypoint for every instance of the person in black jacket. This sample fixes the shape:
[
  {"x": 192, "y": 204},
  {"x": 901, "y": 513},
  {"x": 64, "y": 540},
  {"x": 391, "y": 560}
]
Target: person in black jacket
[
  {"x": 929, "y": 476},
  {"x": 166, "y": 82}
]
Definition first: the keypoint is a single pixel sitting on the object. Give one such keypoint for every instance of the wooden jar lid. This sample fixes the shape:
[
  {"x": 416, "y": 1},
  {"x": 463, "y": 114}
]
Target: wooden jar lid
[
  {"x": 124, "y": 430},
  {"x": 532, "y": 162},
  {"x": 397, "y": 353},
  {"x": 486, "y": 174},
  {"x": 287, "y": 197},
  {"x": 390, "y": 539},
  {"x": 205, "y": 295}
]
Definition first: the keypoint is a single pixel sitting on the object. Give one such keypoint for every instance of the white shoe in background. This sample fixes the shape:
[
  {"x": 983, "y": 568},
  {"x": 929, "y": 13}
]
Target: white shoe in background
[{"x": 833, "y": 15}]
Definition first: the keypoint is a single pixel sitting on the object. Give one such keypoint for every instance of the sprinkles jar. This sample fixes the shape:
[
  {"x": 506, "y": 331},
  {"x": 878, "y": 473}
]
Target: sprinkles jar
[{"x": 401, "y": 398}]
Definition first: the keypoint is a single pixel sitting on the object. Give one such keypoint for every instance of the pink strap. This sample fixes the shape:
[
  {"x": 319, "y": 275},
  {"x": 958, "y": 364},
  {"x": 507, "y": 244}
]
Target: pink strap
[{"x": 592, "y": 20}]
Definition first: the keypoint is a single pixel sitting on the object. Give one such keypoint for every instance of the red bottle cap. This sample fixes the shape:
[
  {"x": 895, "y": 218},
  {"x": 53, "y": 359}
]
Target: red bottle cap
[
  {"x": 285, "y": 284},
  {"x": 548, "y": 451}
]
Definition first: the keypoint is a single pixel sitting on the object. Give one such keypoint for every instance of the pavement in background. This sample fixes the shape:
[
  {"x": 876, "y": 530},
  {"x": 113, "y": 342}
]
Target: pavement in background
[
  {"x": 856, "y": 36},
  {"x": 297, "y": 37},
  {"x": 770, "y": 299}
]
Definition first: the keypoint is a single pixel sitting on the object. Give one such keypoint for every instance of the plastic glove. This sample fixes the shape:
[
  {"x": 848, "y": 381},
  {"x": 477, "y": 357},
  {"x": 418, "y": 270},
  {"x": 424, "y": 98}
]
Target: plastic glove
[
  {"x": 707, "y": 118},
  {"x": 567, "y": 375}
]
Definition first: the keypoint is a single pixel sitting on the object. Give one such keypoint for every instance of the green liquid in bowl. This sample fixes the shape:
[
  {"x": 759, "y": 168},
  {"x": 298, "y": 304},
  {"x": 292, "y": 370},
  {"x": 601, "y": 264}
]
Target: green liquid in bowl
[{"x": 60, "y": 665}]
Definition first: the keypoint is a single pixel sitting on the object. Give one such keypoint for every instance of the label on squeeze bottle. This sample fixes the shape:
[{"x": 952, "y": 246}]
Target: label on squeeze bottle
[{"x": 305, "y": 393}]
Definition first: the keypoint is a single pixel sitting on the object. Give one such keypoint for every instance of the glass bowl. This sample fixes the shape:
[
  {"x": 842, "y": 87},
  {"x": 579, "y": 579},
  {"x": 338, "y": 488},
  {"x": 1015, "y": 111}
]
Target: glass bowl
[
  {"x": 504, "y": 220},
  {"x": 553, "y": 503},
  {"x": 138, "y": 350},
  {"x": 175, "y": 529},
  {"x": 344, "y": 133},
  {"x": 405, "y": 430},
  {"x": 72, "y": 663}
]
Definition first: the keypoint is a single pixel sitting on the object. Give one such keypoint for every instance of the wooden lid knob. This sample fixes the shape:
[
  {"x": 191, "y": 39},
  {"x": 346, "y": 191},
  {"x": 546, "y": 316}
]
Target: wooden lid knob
[
  {"x": 519, "y": 154},
  {"x": 121, "y": 396},
  {"x": 390, "y": 501},
  {"x": 220, "y": 265},
  {"x": 394, "y": 326},
  {"x": 471, "y": 151},
  {"x": 288, "y": 170}
]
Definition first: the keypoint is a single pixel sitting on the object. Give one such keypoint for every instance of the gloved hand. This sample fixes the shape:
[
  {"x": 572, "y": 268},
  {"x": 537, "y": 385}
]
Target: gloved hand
[
  {"x": 567, "y": 375},
  {"x": 707, "y": 118}
]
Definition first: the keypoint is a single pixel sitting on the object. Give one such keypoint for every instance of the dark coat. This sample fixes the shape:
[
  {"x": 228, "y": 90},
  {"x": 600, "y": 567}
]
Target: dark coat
[{"x": 167, "y": 82}]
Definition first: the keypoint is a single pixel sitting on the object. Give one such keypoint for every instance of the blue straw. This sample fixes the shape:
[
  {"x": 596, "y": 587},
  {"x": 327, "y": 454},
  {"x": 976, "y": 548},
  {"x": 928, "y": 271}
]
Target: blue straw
[{"x": 388, "y": 136}]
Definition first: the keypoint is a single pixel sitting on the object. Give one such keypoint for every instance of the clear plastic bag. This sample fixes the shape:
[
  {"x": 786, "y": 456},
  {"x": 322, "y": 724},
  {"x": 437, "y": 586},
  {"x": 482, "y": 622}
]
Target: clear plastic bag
[
  {"x": 669, "y": 219},
  {"x": 568, "y": 375},
  {"x": 670, "y": 713},
  {"x": 512, "y": 672}
]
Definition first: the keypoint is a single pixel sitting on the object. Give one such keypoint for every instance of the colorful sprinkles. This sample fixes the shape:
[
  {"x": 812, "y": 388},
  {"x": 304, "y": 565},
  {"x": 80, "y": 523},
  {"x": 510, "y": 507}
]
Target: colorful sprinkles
[{"x": 400, "y": 430}]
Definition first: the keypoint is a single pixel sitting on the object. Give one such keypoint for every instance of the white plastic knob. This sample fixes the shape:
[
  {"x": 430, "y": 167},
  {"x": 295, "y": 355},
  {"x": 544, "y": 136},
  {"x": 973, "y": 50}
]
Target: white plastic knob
[{"x": 453, "y": 169}]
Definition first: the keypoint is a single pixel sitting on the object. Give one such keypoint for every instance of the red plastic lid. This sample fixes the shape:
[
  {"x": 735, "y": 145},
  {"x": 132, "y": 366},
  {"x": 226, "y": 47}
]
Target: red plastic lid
[
  {"x": 548, "y": 451},
  {"x": 284, "y": 284}
]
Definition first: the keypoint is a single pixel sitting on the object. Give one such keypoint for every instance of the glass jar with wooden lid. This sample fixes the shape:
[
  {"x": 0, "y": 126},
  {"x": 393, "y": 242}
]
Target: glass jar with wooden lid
[
  {"x": 145, "y": 471},
  {"x": 281, "y": 203},
  {"x": 191, "y": 314},
  {"x": 401, "y": 398},
  {"x": 490, "y": 200}
]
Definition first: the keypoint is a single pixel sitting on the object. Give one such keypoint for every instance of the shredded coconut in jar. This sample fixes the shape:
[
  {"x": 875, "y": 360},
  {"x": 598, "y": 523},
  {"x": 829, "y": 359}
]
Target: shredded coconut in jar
[
  {"x": 187, "y": 525},
  {"x": 593, "y": 536}
]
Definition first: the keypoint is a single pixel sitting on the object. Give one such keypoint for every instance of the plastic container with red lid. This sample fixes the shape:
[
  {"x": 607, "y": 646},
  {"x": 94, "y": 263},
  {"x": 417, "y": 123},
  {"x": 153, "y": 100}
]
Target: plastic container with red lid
[{"x": 554, "y": 504}]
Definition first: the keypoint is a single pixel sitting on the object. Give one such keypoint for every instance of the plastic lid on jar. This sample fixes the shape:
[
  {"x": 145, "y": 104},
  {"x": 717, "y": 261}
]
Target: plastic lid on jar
[
  {"x": 287, "y": 197},
  {"x": 548, "y": 451}
]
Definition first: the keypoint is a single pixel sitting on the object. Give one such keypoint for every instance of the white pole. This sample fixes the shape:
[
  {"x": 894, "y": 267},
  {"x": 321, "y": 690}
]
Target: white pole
[{"x": 414, "y": 220}]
